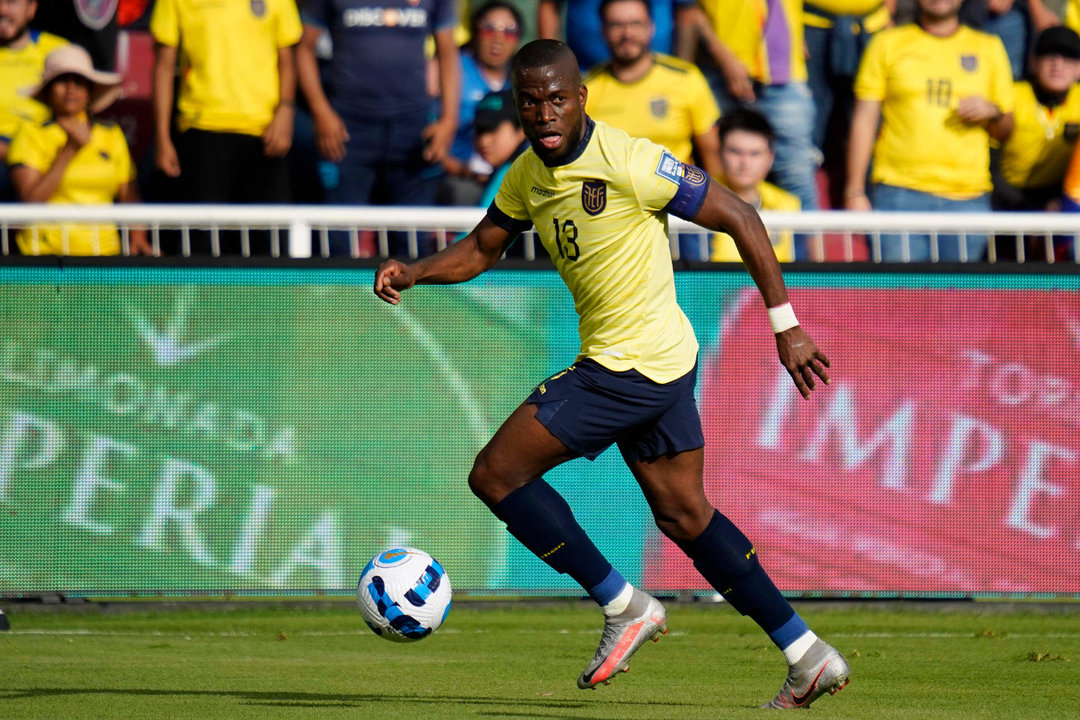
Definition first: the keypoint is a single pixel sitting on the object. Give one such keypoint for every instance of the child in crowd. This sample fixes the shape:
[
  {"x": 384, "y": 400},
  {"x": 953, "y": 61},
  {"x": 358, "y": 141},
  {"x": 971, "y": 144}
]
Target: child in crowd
[
  {"x": 746, "y": 155},
  {"x": 498, "y": 138}
]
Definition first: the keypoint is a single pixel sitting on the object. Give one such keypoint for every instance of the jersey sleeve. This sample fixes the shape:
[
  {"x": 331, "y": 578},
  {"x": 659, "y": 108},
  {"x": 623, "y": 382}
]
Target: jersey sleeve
[
  {"x": 289, "y": 28},
  {"x": 663, "y": 183},
  {"x": 508, "y": 209},
  {"x": 872, "y": 75},
  {"x": 165, "y": 23},
  {"x": 704, "y": 112},
  {"x": 28, "y": 150},
  {"x": 1002, "y": 87}
]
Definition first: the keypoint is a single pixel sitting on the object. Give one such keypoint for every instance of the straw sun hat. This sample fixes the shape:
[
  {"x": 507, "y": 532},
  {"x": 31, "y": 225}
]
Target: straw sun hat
[{"x": 74, "y": 60}]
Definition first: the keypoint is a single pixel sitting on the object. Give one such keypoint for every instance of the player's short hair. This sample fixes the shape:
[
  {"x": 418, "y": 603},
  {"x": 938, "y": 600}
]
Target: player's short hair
[
  {"x": 480, "y": 12},
  {"x": 746, "y": 120},
  {"x": 542, "y": 53},
  {"x": 605, "y": 3}
]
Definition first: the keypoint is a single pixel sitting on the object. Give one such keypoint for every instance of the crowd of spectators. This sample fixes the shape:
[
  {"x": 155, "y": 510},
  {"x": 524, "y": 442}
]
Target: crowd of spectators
[{"x": 904, "y": 105}]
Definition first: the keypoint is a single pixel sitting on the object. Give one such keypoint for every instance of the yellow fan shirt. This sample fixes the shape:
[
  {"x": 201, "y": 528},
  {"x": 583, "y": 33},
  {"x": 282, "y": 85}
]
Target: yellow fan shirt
[
  {"x": 772, "y": 198},
  {"x": 919, "y": 79},
  {"x": 771, "y": 47},
  {"x": 670, "y": 105},
  {"x": 601, "y": 218},
  {"x": 228, "y": 57},
  {"x": 93, "y": 177},
  {"x": 20, "y": 71},
  {"x": 1038, "y": 151}
]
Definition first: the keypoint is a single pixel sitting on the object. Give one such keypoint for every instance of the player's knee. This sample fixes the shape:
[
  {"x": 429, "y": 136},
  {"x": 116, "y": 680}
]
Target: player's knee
[
  {"x": 683, "y": 523},
  {"x": 487, "y": 482}
]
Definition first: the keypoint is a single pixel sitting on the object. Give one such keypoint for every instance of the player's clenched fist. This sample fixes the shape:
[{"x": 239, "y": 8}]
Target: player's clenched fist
[{"x": 391, "y": 278}]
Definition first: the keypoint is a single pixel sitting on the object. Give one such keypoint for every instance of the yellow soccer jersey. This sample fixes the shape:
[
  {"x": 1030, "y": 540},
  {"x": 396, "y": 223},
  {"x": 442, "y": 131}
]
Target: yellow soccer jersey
[
  {"x": 772, "y": 49},
  {"x": 20, "y": 71},
  {"x": 228, "y": 55},
  {"x": 670, "y": 105},
  {"x": 601, "y": 218},
  {"x": 919, "y": 79},
  {"x": 772, "y": 198},
  {"x": 1038, "y": 151},
  {"x": 93, "y": 177}
]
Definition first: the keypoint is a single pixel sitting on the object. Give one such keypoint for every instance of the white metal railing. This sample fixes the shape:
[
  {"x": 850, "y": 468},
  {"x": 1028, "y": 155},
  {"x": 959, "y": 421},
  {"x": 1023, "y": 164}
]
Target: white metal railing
[{"x": 305, "y": 230}]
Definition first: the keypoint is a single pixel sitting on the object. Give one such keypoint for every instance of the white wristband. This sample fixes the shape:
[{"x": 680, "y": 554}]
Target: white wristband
[{"x": 782, "y": 318}]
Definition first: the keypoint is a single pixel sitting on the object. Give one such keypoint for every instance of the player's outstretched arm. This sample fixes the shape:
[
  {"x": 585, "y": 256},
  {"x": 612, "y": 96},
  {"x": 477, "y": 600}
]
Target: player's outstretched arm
[
  {"x": 723, "y": 211},
  {"x": 458, "y": 262}
]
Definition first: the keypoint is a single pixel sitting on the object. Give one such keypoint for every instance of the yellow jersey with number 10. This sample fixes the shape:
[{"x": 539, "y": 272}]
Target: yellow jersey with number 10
[
  {"x": 601, "y": 217},
  {"x": 919, "y": 79}
]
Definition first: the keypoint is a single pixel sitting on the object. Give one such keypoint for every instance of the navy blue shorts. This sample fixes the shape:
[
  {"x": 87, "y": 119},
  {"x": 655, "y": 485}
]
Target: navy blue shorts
[{"x": 588, "y": 407}]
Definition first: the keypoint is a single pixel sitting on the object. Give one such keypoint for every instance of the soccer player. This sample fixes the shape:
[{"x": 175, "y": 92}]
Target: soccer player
[{"x": 599, "y": 200}]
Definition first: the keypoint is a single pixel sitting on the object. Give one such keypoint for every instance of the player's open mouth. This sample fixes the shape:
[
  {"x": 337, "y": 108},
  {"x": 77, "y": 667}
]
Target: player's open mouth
[{"x": 551, "y": 141}]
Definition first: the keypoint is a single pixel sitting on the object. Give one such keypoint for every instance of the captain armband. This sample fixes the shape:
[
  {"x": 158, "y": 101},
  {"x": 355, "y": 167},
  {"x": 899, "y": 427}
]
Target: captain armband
[{"x": 693, "y": 187}]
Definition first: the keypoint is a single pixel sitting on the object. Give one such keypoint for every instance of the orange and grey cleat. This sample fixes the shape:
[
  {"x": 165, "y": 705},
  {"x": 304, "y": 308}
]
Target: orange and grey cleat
[
  {"x": 821, "y": 670},
  {"x": 643, "y": 619}
]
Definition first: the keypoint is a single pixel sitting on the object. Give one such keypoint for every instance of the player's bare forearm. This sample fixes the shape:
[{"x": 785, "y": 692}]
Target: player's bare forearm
[
  {"x": 476, "y": 252},
  {"x": 724, "y": 211}
]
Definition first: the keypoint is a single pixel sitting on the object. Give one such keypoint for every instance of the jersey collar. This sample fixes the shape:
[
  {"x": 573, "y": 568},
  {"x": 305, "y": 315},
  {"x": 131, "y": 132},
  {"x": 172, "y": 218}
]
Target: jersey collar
[{"x": 589, "y": 126}]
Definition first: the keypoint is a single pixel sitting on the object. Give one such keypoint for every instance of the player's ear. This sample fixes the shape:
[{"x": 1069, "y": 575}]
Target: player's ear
[{"x": 583, "y": 94}]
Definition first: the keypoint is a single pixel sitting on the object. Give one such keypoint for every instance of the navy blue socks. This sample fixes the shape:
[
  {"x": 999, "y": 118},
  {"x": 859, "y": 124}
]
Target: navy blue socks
[
  {"x": 541, "y": 519},
  {"x": 728, "y": 560}
]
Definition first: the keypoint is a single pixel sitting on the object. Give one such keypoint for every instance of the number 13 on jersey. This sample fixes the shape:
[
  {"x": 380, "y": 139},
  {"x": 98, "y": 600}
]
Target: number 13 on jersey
[{"x": 566, "y": 237}]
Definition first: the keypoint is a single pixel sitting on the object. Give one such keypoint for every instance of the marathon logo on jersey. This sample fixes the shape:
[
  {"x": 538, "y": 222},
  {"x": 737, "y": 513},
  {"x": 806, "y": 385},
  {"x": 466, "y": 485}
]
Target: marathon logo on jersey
[
  {"x": 258, "y": 8},
  {"x": 412, "y": 17},
  {"x": 659, "y": 107},
  {"x": 669, "y": 168},
  {"x": 594, "y": 196},
  {"x": 969, "y": 62}
]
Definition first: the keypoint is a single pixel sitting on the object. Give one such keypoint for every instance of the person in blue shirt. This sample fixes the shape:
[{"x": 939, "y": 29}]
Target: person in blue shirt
[
  {"x": 585, "y": 34},
  {"x": 495, "y": 29},
  {"x": 373, "y": 114}
]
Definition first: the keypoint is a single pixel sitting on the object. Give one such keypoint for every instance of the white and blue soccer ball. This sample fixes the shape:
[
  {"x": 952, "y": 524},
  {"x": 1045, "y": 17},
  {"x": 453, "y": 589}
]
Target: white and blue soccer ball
[{"x": 404, "y": 594}]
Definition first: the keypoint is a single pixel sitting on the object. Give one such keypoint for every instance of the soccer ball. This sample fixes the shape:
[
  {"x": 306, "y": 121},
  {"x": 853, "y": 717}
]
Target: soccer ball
[{"x": 403, "y": 594}]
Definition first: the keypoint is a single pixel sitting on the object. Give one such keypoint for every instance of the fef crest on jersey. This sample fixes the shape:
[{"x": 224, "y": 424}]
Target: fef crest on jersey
[
  {"x": 693, "y": 175},
  {"x": 594, "y": 196}
]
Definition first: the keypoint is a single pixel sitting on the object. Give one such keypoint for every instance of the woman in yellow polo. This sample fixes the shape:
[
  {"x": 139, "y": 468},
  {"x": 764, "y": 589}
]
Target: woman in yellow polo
[{"x": 71, "y": 158}]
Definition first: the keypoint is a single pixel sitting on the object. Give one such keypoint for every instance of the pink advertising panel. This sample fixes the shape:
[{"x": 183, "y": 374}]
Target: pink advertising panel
[{"x": 943, "y": 458}]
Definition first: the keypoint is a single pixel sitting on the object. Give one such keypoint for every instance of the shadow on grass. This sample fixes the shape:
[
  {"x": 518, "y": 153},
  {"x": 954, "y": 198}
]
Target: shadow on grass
[{"x": 505, "y": 707}]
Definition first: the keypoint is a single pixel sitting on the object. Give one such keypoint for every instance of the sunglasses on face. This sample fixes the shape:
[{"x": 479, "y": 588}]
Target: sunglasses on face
[{"x": 512, "y": 31}]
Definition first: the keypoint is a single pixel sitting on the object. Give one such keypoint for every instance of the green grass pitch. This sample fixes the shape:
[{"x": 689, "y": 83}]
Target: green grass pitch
[{"x": 520, "y": 660}]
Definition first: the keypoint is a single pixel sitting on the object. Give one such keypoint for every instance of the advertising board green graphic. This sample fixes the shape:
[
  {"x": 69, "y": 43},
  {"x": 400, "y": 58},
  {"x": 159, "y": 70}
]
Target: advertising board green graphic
[
  {"x": 270, "y": 429},
  {"x": 250, "y": 429}
]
